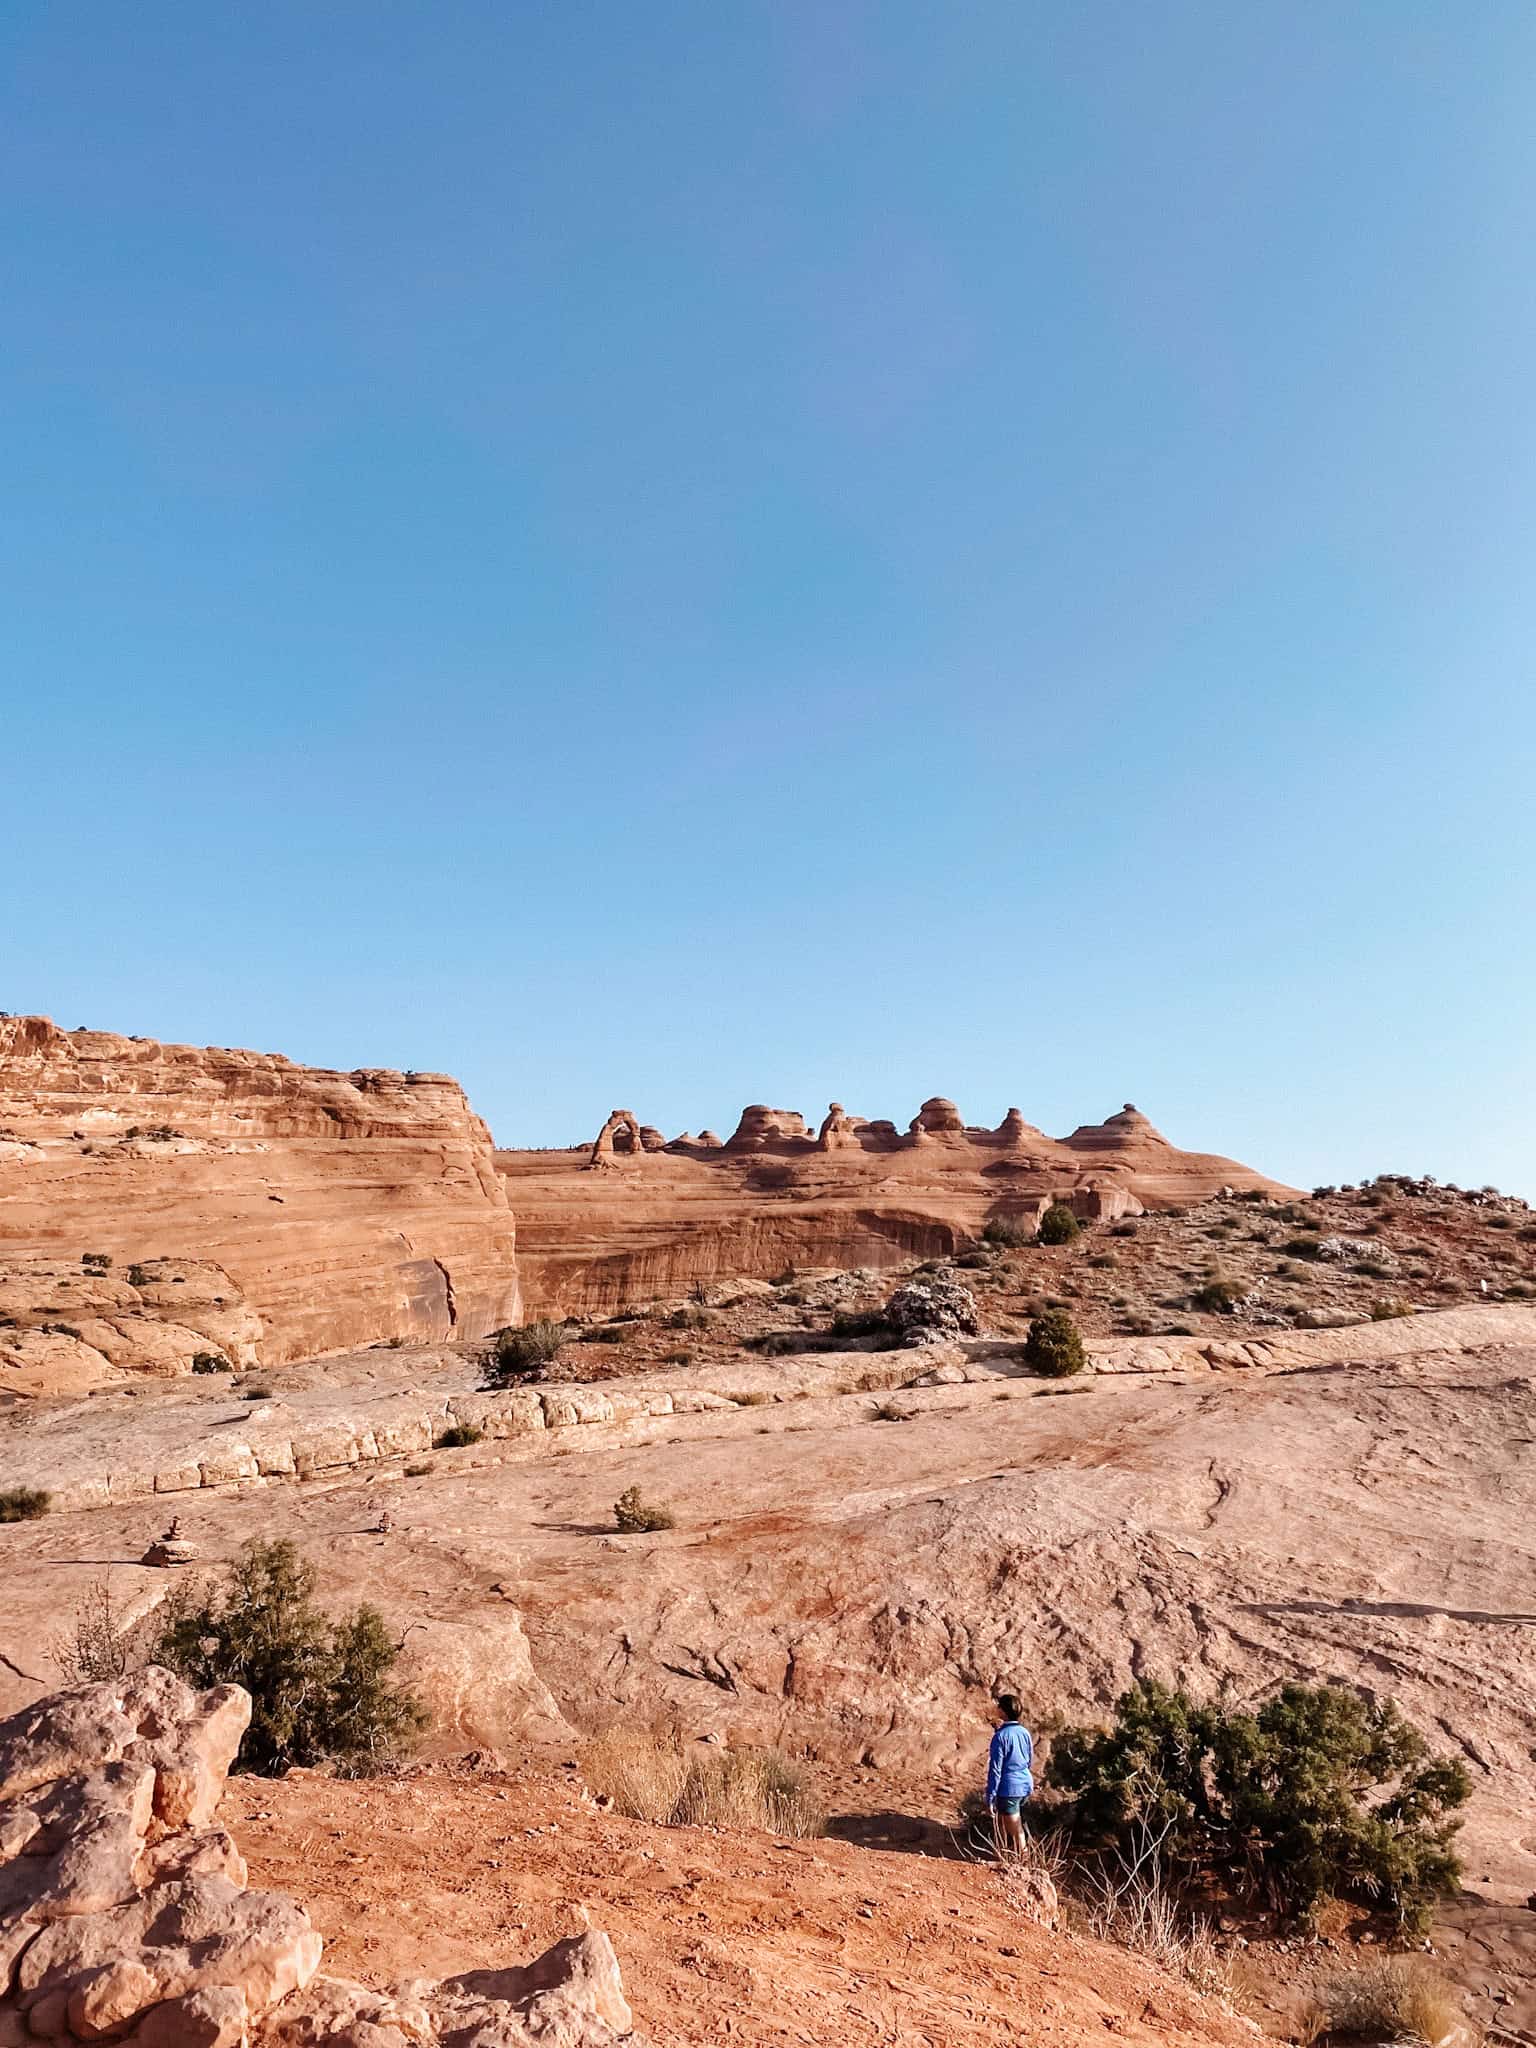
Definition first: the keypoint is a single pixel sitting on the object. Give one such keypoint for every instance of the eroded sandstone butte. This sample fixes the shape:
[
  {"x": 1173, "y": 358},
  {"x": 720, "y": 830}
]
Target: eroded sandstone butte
[
  {"x": 235, "y": 1203},
  {"x": 632, "y": 1216}
]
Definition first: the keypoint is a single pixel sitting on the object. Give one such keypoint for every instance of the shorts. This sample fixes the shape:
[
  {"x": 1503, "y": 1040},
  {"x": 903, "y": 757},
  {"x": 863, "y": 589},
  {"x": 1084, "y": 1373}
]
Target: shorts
[{"x": 1008, "y": 1807}]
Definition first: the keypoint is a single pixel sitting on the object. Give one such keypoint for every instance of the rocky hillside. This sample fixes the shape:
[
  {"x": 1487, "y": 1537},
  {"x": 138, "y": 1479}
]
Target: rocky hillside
[
  {"x": 634, "y": 1216},
  {"x": 161, "y": 1202}
]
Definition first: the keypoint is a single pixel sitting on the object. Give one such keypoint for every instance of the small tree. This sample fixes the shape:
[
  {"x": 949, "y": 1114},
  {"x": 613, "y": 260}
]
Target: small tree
[
  {"x": 320, "y": 1689},
  {"x": 522, "y": 1353},
  {"x": 1320, "y": 1791},
  {"x": 1054, "y": 1346},
  {"x": 1058, "y": 1225}
]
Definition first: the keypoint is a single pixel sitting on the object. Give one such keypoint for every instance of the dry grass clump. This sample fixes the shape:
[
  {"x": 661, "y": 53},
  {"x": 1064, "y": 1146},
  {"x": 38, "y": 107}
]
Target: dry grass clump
[
  {"x": 23, "y": 1503},
  {"x": 1145, "y": 1918},
  {"x": 1391, "y": 1998},
  {"x": 654, "y": 1777},
  {"x": 101, "y": 1642}
]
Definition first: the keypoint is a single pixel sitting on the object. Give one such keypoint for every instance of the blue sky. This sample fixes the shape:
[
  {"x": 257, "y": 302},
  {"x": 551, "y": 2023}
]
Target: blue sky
[{"x": 689, "y": 554}]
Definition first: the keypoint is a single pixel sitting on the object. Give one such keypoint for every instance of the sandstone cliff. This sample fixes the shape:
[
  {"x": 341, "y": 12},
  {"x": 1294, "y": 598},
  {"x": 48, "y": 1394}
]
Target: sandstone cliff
[
  {"x": 157, "y": 1201},
  {"x": 631, "y": 1218}
]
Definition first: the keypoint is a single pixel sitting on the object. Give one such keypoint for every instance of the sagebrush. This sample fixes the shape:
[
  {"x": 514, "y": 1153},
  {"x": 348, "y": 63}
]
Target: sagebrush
[
  {"x": 633, "y": 1516},
  {"x": 523, "y": 1353}
]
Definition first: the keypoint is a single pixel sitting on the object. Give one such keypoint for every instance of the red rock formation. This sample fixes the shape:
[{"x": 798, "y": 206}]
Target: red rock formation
[
  {"x": 124, "y": 1906},
  {"x": 245, "y": 1205},
  {"x": 856, "y": 1193}
]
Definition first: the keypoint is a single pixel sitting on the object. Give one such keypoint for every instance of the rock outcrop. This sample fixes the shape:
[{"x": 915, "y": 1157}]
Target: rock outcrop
[
  {"x": 161, "y": 1202},
  {"x": 855, "y": 1192},
  {"x": 124, "y": 1911}
]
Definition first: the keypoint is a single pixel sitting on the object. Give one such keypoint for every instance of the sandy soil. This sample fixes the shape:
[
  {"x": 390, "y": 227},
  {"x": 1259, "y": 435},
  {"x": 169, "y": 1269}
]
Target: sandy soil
[{"x": 731, "y": 1937}]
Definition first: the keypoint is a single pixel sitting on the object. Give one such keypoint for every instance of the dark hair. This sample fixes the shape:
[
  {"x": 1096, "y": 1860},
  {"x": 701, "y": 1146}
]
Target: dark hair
[{"x": 1008, "y": 1706}]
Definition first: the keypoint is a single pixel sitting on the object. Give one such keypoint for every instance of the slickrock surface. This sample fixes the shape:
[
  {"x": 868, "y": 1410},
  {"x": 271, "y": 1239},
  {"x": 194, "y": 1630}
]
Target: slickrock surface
[
  {"x": 116, "y": 1448},
  {"x": 124, "y": 1911},
  {"x": 631, "y": 1218},
  {"x": 857, "y": 1572},
  {"x": 232, "y": 1203}
]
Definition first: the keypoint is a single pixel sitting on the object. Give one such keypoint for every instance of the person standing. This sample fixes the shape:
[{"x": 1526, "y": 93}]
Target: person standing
[{"x": 1010, "y": 1775}]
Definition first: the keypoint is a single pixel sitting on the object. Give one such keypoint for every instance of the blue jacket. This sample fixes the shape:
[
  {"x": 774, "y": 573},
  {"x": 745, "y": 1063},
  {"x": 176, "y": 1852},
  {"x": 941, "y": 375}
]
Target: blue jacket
[{"x": 1009, "y": 1763}]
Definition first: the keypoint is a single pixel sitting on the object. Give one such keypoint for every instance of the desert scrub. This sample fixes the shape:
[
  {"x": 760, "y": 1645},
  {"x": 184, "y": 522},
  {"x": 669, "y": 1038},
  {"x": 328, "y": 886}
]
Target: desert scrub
[
  {"x": 1390, "y": 1998},
  {"x": 522, "y": 1353},
  {"x": 23, "y": 1503},
  {"x": 633, "y": 1516},
  {"x": 210, "y": 1361},
  {"x": 860, "y": 1322},
  {"x": 693, "y": 1315},
  {"x": 1389, "y": 1311},
  {"x": 320, "y": 1688},
  {"x": 1058, "y": 1225},
  {"x": 657, "y": 1778},
  {"x": 100, "y": 1642},
  {"x": 1218, "y": 1297},
  {"x": 1008, "y": 1232},
  {"x": 1318, "y": 1792},
  {"x": 1054, "y": 1346},
  {"x": 457, "y": 1435}
]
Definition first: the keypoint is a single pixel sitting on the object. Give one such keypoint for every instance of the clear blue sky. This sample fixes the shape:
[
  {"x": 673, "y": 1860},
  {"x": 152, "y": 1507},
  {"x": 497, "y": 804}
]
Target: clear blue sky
[{"x": 684, "y": 554}]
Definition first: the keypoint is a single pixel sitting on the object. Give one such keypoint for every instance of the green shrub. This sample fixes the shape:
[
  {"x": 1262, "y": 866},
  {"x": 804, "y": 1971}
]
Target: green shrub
[
  {"x": 320, "y": 1689},
  {"x": 210, "y": 1361},
  {"x": 137, "y": 1277},
  {"x": 457, "y": 1435},
  {"x": 1058, "y": 1225},
  {"x": 1009, "y": 1231},
  {"x": 635, "y": 1517},
  {"x": 23, "y": 1503},
  {"x": 1278, "y": 1805},
  {"x": 100, "y": 1262},
  {"x": 523, "y": 1353},
  {"x": 1054, "y": 1346}
]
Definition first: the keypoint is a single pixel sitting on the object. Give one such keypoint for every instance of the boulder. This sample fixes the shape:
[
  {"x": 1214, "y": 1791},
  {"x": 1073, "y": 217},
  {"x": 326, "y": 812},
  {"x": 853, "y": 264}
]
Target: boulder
[
  {"x": 124, "y": 1910},
  {"x": 937, "y": 1307}
]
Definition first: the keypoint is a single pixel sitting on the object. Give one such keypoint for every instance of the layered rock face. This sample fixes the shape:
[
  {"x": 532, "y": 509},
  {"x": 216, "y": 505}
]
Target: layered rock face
[
  {"x": 124, "y": 1910},
  {"x": 162, "y": 1201},
  {"x": 655, "y": 1218}
]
